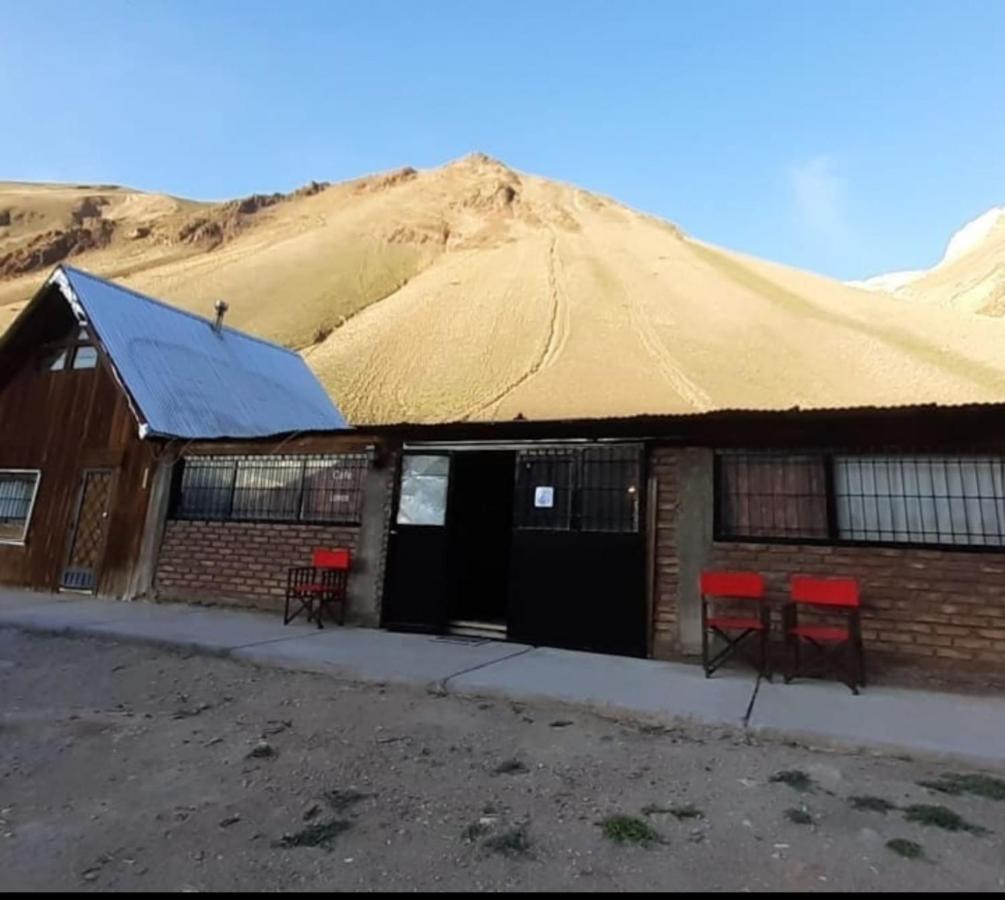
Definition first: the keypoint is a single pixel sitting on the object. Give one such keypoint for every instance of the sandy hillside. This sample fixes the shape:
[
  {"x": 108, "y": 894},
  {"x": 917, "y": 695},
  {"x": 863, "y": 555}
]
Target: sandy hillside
[
  {"x": 473, "y": 291},
  {"x": 970, "y": 277}
]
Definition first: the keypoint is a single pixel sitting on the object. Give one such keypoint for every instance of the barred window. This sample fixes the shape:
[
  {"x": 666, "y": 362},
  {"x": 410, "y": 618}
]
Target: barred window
[
  {"x": 609, "y": 489},
  {"x": 18, "y": 488},
  {"x": 313, "y": 488},
  {"x": 267, "y": 488},
  {"x": 921, "y": 499},
  {"x": 768, "y": 495},
  {"x": 544, "y": 489},
  {"x": 894, "y": 499},
  {"x": 579, "y": 489}
]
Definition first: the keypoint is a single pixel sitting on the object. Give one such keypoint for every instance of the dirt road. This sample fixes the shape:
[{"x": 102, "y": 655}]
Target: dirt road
[{"x": 124, "y": 767}]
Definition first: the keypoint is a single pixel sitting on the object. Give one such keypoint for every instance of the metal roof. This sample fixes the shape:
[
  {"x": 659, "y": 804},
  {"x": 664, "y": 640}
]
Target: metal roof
[{"x": 186, "y": 379}]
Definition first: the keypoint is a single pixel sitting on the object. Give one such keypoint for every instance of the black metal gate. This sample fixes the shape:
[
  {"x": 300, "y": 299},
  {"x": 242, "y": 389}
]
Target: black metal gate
[
  {"x": 576, "y": 557},
  {"x": 578, "y": 564}
]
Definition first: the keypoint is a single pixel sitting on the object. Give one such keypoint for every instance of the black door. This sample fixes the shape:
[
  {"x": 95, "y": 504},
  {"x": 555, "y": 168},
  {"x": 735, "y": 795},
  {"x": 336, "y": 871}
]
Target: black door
[
  {"x": 416, "y": 590},
  {"x": 578, "y": 557},
  {"x": 480, "y": 527}
]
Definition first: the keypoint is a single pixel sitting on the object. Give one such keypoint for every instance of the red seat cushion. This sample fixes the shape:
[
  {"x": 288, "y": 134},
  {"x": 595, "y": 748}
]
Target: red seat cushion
[
  {"x": 820, "y": 632},
  {"x": 824, "y": 591},
  {"x": 339, "y": 558},
  {"x": 727, "y": 623},
  {"x": 749, "y": 585},
  {"x": 310, "y": 588}
]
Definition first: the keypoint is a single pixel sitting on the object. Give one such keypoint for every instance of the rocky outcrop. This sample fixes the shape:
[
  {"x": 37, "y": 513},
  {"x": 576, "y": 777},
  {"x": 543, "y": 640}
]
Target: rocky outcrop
[{"x": 54, "y": 246}]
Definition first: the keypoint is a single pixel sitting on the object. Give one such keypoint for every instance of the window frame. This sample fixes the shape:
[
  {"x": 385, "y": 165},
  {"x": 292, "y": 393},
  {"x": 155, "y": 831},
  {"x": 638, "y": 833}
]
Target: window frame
[
  {"x": 76, "y": 356},
  {"x": 448, "y": 482},
  {"x": 357, "y": 461},
  {"x": 719, "y": 534},
  {"x": 588, "y": 508},
  {"x": 23, "y": 540},
  {"x": 70, "y": 345}
]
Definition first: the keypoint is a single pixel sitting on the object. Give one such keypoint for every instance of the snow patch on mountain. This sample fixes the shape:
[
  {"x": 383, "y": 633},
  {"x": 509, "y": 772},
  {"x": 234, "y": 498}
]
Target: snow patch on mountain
[{"x": 963, "y": 241}]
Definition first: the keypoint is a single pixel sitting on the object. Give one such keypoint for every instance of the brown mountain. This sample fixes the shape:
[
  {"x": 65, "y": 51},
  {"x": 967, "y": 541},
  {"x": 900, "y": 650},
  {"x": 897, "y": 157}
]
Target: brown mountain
[{"x": 473, "y": 291}]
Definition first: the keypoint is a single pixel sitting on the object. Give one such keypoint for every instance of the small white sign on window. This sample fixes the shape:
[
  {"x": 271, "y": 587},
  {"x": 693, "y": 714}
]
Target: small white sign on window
[{"x": 544, "y": 496}]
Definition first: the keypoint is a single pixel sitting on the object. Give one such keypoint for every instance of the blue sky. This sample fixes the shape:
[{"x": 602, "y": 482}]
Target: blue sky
[{"x": 849, "y": 138}]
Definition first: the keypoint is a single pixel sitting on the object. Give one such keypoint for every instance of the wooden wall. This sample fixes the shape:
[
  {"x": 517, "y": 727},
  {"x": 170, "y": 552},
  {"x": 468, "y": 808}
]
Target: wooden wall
[{"x": 62, "y": 423}]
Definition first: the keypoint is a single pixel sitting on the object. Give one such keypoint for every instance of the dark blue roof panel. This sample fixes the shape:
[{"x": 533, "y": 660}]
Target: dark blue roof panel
[{"x": 191, "y": 381}]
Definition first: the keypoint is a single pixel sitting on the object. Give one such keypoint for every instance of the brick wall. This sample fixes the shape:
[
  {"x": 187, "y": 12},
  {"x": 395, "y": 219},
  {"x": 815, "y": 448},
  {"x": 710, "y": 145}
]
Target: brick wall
[
  {"x": 919, "y": 606},
  {"x": 239, "y": 563},
  {"x": 931, "y": 607}
]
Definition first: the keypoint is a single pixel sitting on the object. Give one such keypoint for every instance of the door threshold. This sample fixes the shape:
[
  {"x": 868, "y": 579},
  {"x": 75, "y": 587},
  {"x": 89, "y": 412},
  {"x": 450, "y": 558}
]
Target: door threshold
[
  {"x": 81, "y": 591},
  {"x": 468, "y": 628}
]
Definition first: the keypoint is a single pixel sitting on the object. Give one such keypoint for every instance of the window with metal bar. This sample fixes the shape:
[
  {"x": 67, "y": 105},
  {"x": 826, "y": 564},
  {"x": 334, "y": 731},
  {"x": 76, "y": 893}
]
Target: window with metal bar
[
  {"x": 579, "y": 489},
  {"x": 544, "y": 489},
  {"x": 921, "y": 499},
  {"x": 18, "y": 488},
  {"x": 609, "y": 489},
  {"x": 951, "y": 501},
  {"x": 769, "y": 495},
  {"x": 313, "y": 488}
]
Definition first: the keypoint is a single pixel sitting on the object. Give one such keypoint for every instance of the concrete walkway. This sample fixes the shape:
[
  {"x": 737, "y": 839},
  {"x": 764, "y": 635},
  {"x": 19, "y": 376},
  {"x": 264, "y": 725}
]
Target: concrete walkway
[{"x": 898, "y": 720}]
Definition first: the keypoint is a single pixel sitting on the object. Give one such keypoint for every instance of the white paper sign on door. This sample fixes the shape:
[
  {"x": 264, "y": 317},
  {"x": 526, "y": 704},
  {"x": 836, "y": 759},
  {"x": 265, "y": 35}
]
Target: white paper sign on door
[{"x": 544, "y": 496}]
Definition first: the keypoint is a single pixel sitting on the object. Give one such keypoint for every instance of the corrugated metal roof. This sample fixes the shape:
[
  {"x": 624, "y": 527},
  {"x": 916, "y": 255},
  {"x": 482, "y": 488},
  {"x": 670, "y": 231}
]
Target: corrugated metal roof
[
  {"x": 187, "y": 380},
  {"x": 794, "y": 412}
]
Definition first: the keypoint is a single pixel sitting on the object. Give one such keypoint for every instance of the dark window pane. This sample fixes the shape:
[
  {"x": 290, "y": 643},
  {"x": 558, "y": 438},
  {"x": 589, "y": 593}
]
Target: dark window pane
[
  {"x": 17, "y": 497},
  {"x": 609, "y": 489},
  {"x": 55, "y": 360},
  {"x": 333, "y": 488},
  {"x": 86, "y": 357},
  {"x": 268, "y": 488},
  {"x": 544, "y": 488},
  {"x": 274, "y": 488},
  {"x": 207, "y": 488},
  {"x": 764, "y": 495}
]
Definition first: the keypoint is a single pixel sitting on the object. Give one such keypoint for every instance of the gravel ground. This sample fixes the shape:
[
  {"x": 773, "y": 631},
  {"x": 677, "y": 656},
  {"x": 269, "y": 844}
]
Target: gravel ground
[{"x": 124, "y": 767}]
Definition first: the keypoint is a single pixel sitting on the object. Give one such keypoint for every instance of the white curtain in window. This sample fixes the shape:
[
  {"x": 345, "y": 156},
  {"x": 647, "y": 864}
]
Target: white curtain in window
[{"x": 915, "y": 499}]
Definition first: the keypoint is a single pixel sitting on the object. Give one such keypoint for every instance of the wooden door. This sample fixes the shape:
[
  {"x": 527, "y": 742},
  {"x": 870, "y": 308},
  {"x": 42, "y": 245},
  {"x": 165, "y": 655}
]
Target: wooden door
[{"x": 88, "y": 531}]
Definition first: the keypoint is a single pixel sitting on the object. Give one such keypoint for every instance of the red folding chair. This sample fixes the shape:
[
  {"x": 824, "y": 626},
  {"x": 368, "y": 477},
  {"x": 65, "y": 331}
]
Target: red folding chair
[
  {"x": 738, "y": 589},
  {"x": 838, "y": 646},
  {"x": 318, "y": 587}
]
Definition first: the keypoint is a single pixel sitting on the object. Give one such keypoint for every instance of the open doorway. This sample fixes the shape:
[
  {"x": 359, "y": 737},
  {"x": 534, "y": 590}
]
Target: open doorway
[{"x": 480, "y": 524}]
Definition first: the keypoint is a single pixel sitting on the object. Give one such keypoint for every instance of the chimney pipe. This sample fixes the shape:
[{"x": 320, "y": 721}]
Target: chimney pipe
[{"x": 221, "y": 308}]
